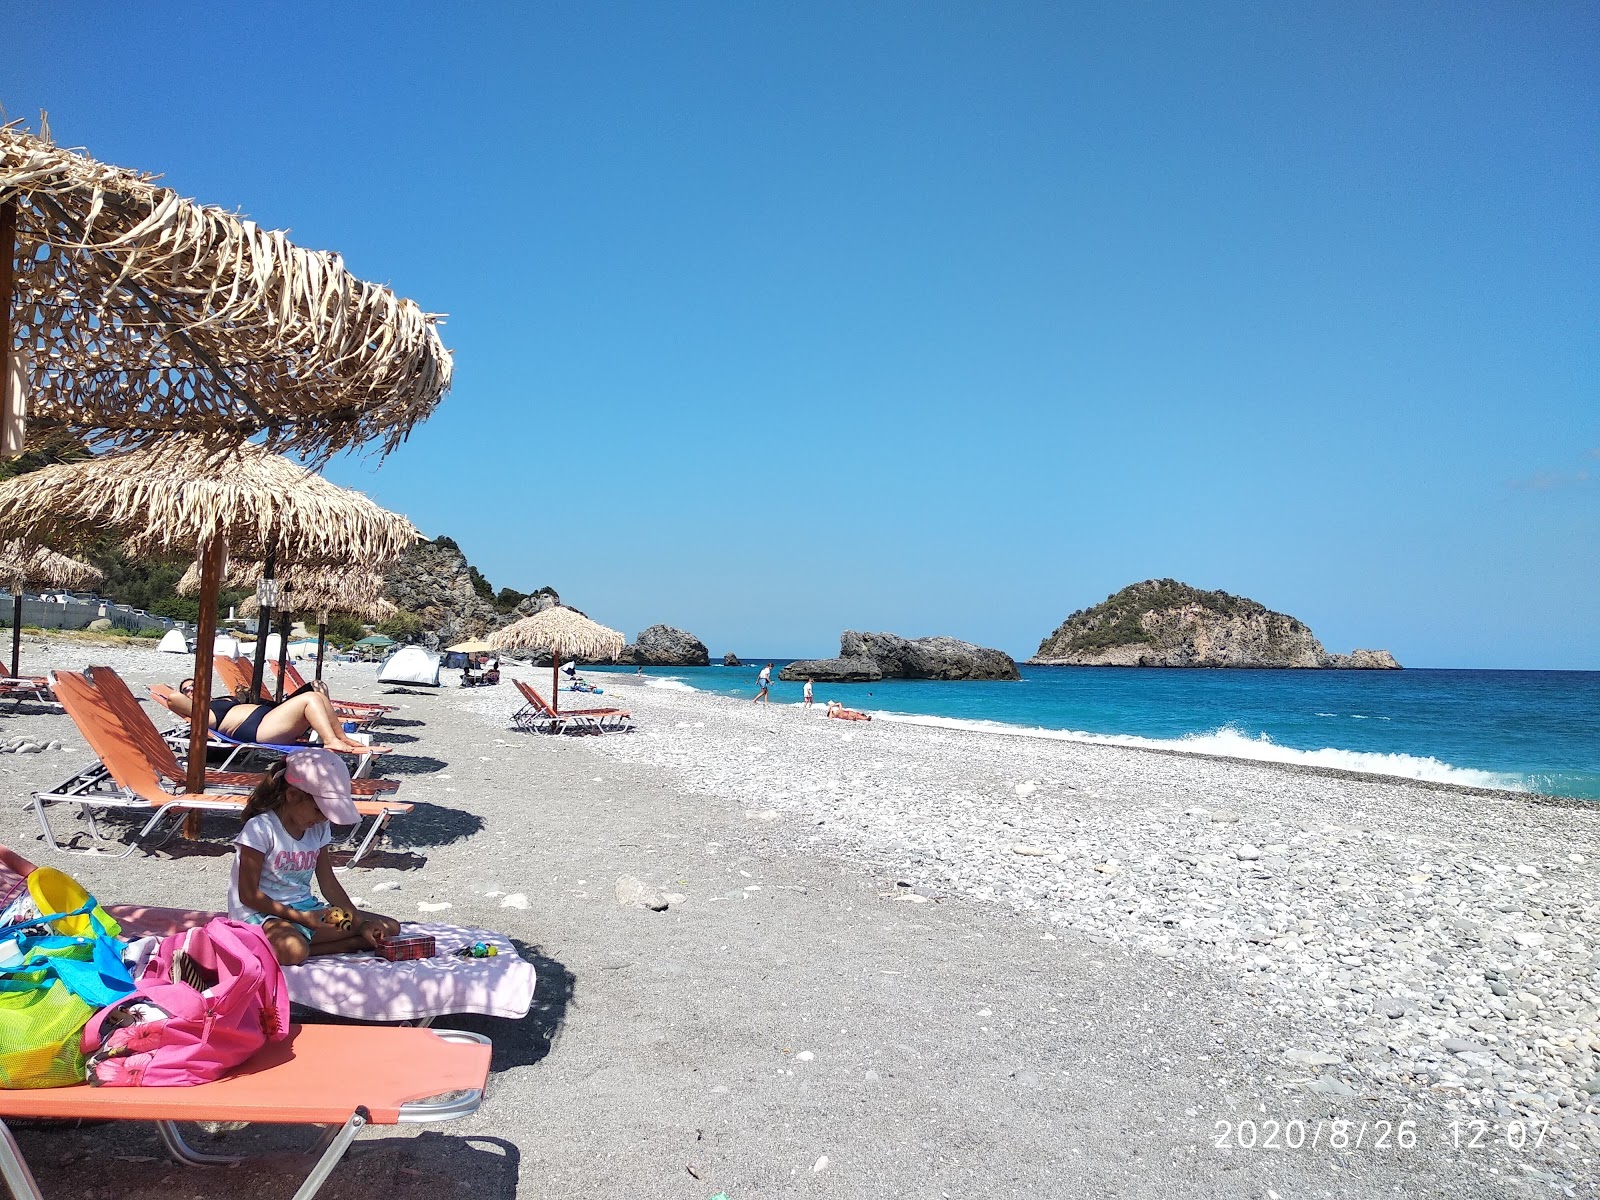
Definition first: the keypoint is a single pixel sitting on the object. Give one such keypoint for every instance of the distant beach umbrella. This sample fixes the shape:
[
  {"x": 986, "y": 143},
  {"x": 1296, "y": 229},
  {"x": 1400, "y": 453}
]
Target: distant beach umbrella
[
  {"x": 186, "y": 492},
  {"x": 128, "y": 312},
  {"x": 25, "y": 564},
  {"x": 560, "y": 632},
  {"x": 470, "y": 646}
]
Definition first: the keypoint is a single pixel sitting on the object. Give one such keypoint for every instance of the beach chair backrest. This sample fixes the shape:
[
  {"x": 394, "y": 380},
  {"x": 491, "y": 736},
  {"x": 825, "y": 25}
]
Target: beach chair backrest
[
  {"x": 136, "y": 724},
  {"x": 531, "y": 694},
  {"x": 122, "y": 758},
  {"x": 293, "y": 681}
]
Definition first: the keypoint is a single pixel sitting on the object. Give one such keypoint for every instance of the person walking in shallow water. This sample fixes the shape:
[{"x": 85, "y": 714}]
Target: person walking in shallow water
[
  {"x": 765, "y": 680},
  {"x": 806, "y": 694}
]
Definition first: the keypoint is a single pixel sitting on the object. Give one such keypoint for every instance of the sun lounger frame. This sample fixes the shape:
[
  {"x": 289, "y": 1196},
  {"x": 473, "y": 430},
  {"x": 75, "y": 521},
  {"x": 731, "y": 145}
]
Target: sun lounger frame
[
  {"x": 536, "y": 716},
  {"x": 354, "y": 1046}
]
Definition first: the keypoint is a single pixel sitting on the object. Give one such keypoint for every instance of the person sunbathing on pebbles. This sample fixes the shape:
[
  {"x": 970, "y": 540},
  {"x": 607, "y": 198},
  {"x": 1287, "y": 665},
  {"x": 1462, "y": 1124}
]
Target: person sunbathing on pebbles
[
  {"x": 841, "y": 713},
  {"x": 285, "y": 720}
]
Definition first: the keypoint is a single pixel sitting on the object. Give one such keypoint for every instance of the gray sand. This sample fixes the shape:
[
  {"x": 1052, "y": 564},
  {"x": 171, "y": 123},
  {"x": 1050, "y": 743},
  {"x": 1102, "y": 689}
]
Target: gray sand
[{"x": 800, "y": 1023}]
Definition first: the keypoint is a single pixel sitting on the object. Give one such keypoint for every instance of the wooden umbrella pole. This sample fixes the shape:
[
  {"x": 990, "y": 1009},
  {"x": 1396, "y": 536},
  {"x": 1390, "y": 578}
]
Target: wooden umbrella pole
[
  {"x": 8, "y": 250},
  {"x": 212, "y": 554},
  {"x": 322, "y": 642},
  {"x": 284, "y": 621},
  {"x": 263, "y": 621},
  {"x": 555, "y": 681},
  {"x": 16, "y": 631}
]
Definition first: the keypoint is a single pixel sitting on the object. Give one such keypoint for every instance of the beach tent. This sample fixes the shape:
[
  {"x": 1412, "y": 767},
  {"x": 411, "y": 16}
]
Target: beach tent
[
  {"x": 410, "y": 664},
  {"x": 175, "y": 643},
  {"x": 228, "y": 647}
]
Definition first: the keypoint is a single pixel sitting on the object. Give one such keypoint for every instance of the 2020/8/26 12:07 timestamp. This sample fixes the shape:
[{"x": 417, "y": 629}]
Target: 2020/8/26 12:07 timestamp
[{"x": 1341, "y": 1134}]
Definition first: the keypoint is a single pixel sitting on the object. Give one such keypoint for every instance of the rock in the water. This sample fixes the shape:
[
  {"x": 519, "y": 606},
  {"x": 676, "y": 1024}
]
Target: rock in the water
[
  {"x": 867, "y": 657},
  {"x": 731, "y": 659},
  {"x": 1164, "y": 623},
  {"x": 664, "y": 646}
]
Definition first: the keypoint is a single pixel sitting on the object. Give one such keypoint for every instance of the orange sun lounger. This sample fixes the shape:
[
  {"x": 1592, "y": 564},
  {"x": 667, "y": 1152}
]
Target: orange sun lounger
[
  {"x": 538, "y": 716},
  {"x": 122, "y": 707},
  {"x": 340, "y": 1076},
  {"x": 138, "y": 787}
]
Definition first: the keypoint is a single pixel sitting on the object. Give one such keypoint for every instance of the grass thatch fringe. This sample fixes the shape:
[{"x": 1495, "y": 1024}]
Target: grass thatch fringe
[
  {"x": 26, "y": 564},
  {"x": 138, "y": 312},
  {"x": 174, "y": 496}
]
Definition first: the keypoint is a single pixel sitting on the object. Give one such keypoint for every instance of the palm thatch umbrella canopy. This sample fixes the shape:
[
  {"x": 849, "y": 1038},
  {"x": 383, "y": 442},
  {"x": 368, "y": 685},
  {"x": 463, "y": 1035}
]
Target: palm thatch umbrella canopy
[
  {"x": 23, "y": 564},
  {"x": 559, "y": 631},
  {"x": 127, "y": 311},
  {"x": 170, "y": 497},
  {"x": 186, "y": 493}
]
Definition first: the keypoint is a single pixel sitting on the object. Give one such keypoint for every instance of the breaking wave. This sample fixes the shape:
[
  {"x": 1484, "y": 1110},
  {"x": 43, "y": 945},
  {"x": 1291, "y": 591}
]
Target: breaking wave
[{"x": 1229, "y": 741}]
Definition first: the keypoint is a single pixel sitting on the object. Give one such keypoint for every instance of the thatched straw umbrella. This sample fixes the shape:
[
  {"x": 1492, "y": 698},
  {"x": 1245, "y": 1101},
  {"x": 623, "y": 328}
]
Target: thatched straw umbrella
[
  {"x": 24, "y": 564},
  {"x": 177, "y": 495},
  {"x": 322, "y": 590},
  {"x": 128, "y": 312},
  {"x": 560, "y": 631}
]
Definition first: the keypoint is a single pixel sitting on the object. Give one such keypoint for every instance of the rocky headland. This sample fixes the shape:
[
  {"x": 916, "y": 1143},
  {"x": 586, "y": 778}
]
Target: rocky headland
[
  {"x": 664, "y": 646},
  {"x": 1164, "y": 623},
  {"x": 434, "y": 582},
  {"x": 868, "y": 657}
]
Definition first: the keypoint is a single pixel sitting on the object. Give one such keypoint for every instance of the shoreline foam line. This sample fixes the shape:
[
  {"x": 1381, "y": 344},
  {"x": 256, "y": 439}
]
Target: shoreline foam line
[{"x": 1229, "y": 742}]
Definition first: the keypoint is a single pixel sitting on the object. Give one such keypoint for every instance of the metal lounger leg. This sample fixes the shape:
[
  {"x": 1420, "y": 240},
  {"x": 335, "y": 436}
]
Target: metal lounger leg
[
  {"x": 14, "y": 1168},
  {"x": 331, "y": 1156},
  {"x": 379, "y": 822},
  {"x": 172, "y": 1138}
]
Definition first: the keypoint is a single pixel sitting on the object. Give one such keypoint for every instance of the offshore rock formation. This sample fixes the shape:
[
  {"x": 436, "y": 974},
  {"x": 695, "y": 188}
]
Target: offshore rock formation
[
  {"x": 868, "y": 657},
  {"x": 664, "y": 646},
  {"x": 730, "y": 659},
  {"x": 1164, "y": 623},
  {"x": 433, "y": 580}
]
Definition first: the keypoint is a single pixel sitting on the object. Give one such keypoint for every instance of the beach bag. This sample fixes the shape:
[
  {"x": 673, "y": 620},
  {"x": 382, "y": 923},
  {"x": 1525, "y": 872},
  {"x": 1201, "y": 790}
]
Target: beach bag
[
  {"x": 52, "y": 984},
  {"x": 208, "y": 999}
]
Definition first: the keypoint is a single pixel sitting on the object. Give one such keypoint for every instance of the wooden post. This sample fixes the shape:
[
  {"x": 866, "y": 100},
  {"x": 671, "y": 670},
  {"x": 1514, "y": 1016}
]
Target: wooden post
[
  {"x": 555, "y": 680},
  {"x": 211, "y": 557},
  {"x": 322, "y": 642},
  {"x": 8, "y": 250},
  {"x": 16, "y": 629},
  {"x": 284, "y": 621},
  {"x": 263, "y": 622}
]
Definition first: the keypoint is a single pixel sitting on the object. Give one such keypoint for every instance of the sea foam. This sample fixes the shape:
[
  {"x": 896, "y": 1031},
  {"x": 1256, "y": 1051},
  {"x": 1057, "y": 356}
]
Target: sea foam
[{"x": 1229, "y": 741}]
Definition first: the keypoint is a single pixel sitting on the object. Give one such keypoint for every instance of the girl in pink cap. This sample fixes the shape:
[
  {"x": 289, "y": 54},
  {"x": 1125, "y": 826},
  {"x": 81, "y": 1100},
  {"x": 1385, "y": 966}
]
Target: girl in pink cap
[{"x": 283, "y": 844}]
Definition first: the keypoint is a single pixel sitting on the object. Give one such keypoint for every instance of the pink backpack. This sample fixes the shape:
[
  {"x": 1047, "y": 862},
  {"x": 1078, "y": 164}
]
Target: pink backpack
[{"x": 208, "y": 999}]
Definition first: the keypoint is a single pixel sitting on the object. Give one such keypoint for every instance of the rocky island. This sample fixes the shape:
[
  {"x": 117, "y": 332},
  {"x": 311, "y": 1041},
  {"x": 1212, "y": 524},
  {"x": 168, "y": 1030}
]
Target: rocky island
[
  {"x": 664, "y": 646},
  {"x": 1164, "y": 623},
  {"x": 869, "y": 657}
]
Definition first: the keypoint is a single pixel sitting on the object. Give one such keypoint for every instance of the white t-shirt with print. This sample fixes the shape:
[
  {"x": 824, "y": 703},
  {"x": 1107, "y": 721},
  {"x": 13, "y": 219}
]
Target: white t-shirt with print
[
  {"x": 288, "y": 864},
  {"x": 766, "y": 676}
]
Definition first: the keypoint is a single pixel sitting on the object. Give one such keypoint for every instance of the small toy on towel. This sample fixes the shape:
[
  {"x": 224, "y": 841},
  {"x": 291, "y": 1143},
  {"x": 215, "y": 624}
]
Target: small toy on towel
[
  {"x": 477, "y": 950},
  {"x": 338, "y": 917}
]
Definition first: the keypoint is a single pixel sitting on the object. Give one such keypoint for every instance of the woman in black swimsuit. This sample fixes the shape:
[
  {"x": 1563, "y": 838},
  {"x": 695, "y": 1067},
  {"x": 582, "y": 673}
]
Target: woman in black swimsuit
[{"x": 286, "y": 720}]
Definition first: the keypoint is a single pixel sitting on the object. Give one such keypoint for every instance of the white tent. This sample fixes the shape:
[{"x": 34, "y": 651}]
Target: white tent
[
  {"x": 226, "y": 646},
  {"x": 410, "y": 664},
  {"x": 174, "y": 643}
]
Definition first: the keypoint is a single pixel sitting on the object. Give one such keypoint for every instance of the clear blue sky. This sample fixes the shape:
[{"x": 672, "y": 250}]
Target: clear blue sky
[{"x": 773, "y": 320}]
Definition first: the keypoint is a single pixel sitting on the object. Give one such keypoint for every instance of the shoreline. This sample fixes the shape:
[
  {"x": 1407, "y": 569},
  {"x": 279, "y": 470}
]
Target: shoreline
[{"x": 999, "y": 728}]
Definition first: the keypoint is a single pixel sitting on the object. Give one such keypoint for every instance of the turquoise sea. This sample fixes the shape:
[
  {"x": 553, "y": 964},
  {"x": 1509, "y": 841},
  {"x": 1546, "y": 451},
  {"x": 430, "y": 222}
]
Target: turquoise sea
[{"x": 1527, "y": 730}]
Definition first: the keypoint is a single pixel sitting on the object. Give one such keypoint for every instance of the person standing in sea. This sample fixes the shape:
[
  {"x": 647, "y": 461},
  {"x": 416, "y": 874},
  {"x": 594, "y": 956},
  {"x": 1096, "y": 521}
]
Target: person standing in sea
[
  {"x": 806, "y": 694},
  {"x": 765, "y": 680}
]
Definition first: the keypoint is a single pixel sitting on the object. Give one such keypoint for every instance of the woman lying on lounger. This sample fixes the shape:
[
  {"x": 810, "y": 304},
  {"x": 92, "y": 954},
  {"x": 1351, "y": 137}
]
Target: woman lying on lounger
[
  {"x": 285, "y": 720},
  {"x": 840, "y": 712}
]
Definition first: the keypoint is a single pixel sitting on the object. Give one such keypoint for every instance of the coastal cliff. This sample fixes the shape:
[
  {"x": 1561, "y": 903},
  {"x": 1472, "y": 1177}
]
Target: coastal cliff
[
  {"x": 1164, "y": 623},
  {"x": 868, "y": 657}
]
